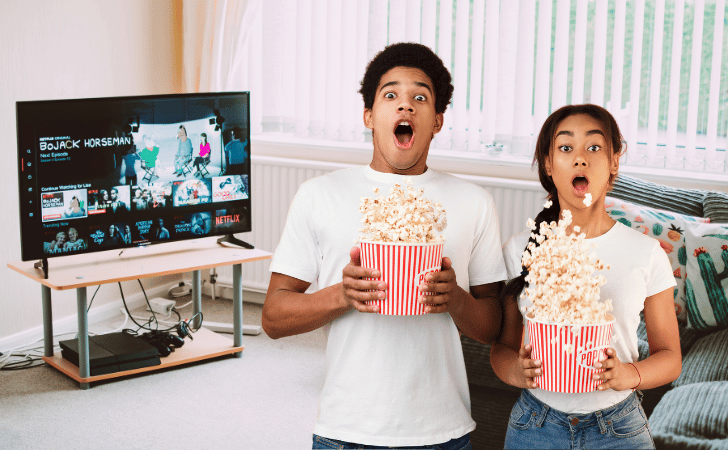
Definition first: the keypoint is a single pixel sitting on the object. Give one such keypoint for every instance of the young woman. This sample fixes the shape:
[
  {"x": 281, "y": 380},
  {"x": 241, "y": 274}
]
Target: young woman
[
  {"x": 578, "y": 152},
  {"x": 204, "y": 153}
]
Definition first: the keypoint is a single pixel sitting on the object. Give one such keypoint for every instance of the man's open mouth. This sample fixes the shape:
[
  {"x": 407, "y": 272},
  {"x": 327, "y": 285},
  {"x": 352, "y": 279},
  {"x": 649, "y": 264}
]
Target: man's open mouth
[{"x": 403, "y": 134}]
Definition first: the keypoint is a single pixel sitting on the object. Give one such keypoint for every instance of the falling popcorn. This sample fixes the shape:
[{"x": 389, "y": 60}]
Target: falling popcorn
[
  {"x": 562, "y": 286},
  {"x": 402, "y": 216},
  {"x": 588, "y": 199}
]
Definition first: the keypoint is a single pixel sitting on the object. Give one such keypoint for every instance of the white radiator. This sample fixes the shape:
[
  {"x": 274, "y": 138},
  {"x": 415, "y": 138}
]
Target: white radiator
[{"x": 274, "y": 182}]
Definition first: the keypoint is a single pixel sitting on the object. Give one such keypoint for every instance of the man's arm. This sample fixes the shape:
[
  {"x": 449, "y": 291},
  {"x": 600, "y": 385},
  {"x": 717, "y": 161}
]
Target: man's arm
[{"x": 288, "y": 310}]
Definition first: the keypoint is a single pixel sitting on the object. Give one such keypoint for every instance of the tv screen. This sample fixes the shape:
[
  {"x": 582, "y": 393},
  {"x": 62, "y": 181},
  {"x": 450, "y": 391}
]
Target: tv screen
[{"x": 108, "y": 173}]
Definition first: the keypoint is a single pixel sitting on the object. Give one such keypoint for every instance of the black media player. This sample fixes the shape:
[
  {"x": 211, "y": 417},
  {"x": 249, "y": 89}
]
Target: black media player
[{"x": 113, "y": 352}]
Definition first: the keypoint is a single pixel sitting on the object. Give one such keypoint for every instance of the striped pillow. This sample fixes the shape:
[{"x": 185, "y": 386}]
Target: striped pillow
[
  {"x": 707, "y": 360},
  {"x": 715, "y": 206},
  {"x": 647, "y": 193}
]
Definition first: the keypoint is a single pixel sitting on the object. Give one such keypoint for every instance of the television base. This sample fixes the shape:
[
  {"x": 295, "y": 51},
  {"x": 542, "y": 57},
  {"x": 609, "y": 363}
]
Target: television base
[
  {"x": 42, "y": 265},
  {"x": 232, "y": 240}
]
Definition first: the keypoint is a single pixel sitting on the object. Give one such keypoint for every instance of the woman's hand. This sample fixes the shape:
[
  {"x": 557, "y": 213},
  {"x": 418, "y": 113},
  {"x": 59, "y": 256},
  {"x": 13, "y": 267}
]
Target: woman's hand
[
  {"x": 531, "y": 367},
  {"x": 617, "y": 375}
]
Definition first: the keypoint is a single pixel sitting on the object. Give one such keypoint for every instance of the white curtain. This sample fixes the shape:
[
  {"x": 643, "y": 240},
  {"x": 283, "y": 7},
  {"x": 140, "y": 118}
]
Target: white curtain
[{"x": 221, "y": 47}]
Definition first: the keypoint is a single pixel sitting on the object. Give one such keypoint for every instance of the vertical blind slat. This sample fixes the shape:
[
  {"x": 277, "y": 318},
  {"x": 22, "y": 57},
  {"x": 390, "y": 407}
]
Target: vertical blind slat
[
  {"x": 561, "y": 55},
  {"x": 413, "y": 24},
  {"x": 600, "y": 53},
  {"x": 543, "y": 63},
  {"x": 711, "y": 155},
  {"x": 490, "y": 80},
  {"x": 655, "y": 82},
  {"x": 303, "y": 66},
  {"x": 460, "y": 74},
  {"x": 429, "y": 23},
  {"x": 476, "y": 69},
  {"x": 522, "y": 121},
  {"x": 397, "y": 30},
  {"x": 636, "y": 79},
  {"x": 444, "y": 51},
  {"x": 507, "y": 47},
  {"x": 694, "y": 91},
  {"x": 674, "y": 97},
  {"x": 615, "y": 102},
  {"x": 577, "y": 85},
  {"x": 334, "y": 36}
]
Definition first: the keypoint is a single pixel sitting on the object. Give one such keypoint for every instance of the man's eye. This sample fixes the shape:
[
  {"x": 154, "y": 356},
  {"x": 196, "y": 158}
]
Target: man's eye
[
  {"x": 594, "y": 148},
  {"x": 565, "y": 148},
  {"x": 420, "y": 98},
  {"x": 389, "y": 95}
]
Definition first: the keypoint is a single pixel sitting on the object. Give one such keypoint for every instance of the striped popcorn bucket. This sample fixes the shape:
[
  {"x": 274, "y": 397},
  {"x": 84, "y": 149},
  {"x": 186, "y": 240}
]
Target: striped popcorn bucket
[
  {"x": 568, "y": 353},
  {"x": 403, "y": 268}
]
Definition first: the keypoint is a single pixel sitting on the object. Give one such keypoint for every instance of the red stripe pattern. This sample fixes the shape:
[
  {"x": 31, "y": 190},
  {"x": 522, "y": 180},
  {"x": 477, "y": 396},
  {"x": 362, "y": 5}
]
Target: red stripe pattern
[
  {"x": 403, "y": 268},
  {"x": 568, "y": 354}
]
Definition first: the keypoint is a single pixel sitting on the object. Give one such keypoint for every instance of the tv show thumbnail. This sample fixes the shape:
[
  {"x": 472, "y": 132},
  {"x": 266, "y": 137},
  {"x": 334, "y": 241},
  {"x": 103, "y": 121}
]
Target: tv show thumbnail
[
  {"x": 155, "y": 195},
  {"x": 62, "y": 205},
  {"x": 191, "y": 192},
  {"x": 231, "y": 187},
  {"x": 112, "y": 200},
  {"x": 61, "y": 237},
  {"x": 111, "y": 235},
  {"x": 195, "y": 224}
]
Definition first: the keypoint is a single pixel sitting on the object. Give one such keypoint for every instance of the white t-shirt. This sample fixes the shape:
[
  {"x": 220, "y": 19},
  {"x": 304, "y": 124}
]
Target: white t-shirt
[
  {"x": 390, "y": 380},
  {"x": 639, "y": 268}
]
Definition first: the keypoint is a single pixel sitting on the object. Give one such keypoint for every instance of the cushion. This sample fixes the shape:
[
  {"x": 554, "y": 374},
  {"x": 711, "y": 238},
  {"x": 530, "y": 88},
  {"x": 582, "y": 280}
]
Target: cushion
[
  {"x": 715, "y": 206},
  {"x": 646, "y": 193},
  {"x": 706, "y": 361},
  {"x": 706, "y": 285},
  {"x": 665, "y": 226},
  {"x": 692, "y": 417}
]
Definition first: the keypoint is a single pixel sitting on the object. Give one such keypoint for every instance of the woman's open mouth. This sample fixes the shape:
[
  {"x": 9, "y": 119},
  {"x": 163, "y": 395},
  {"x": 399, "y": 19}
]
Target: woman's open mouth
[
  {"x": 403, "y": 135},
  {"x": 581, "y": 185}
]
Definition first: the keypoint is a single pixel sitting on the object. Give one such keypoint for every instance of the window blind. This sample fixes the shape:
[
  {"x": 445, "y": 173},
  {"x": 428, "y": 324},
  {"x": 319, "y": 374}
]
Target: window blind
[{"x": 658, "y": 66}]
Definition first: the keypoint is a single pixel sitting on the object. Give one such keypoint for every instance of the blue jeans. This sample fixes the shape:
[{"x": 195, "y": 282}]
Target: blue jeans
[
  {"x": 533, "y": 424},
  {"x": 462, "y": 443}
]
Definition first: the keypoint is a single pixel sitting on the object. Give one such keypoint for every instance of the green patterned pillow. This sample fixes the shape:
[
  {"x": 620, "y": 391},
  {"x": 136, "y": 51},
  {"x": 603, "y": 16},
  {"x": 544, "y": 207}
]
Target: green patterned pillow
[
  {"x": 668, "y": 228},
  {"x": 706, "y": 286}
]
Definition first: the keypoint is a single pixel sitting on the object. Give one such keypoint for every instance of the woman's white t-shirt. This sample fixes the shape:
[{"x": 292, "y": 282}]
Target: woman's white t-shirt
[{"x": 638, "y": 268}]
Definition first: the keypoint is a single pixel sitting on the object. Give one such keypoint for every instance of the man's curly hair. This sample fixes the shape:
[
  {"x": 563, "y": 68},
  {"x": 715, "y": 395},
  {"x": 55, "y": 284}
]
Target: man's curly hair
[{"x": 408, "y": 54}]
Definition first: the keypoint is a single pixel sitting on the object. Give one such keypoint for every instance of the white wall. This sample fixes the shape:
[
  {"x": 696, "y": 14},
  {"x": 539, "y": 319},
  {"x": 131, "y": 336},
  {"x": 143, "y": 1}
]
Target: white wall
[{"x": 53, "y": 49}]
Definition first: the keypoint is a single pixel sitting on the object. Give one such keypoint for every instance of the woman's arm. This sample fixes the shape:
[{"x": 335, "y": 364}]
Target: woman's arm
[
  {"x": 508, "y": 357},
  {"x": 665, "y": 361}
]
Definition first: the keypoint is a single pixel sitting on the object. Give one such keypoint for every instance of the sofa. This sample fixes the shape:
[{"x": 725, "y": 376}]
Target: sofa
[{"x": 691, "y": 412}]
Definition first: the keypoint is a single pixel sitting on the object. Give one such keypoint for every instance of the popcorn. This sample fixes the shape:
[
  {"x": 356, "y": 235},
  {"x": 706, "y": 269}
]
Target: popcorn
[
  {"x": 562, "y": 286},
  {"x": 588, "y": 199},
  {"x": 402, "y": 216}
]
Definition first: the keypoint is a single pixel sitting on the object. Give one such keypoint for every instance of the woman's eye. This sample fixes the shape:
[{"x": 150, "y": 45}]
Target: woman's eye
[
  {"x": 420, "y": 98},
  {"x": 565, "y": 148},
  {"x": 389, "y": 95},
  {"x": 594, "y": 148}
]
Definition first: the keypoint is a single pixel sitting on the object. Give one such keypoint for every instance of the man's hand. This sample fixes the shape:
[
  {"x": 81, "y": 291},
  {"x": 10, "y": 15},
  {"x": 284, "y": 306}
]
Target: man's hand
[
  {"x": 357, "y": 289},
  {"x": 440, "y": 292}
]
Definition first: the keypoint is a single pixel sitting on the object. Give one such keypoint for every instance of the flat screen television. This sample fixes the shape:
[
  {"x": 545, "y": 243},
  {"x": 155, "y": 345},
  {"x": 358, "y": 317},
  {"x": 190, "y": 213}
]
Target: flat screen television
[{"x": 112, "y": 173}]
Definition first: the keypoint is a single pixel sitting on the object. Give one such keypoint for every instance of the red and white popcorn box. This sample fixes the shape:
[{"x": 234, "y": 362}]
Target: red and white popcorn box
[
  {"x": 568, "y": 353},
  {"x": 403, "y": 267}
]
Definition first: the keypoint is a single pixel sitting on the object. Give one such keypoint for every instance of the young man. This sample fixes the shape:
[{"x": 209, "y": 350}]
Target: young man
[{"x": 390, "y": 380}]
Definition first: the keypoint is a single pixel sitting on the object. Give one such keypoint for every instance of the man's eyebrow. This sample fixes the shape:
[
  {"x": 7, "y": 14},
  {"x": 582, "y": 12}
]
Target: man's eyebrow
[{"x": 396, "y": 83}]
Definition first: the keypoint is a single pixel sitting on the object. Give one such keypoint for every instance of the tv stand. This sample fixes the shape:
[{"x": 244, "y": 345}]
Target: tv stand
[
  {"x": 42, "y": 265},
  {"x": 91, "y": 269},
  {"x": 230, "y": 239}
]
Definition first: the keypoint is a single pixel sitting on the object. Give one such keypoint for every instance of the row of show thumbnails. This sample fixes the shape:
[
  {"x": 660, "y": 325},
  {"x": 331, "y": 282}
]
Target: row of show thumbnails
[
  {"x": 77, "y": 203},
  {"x": 67, "y": 237}
]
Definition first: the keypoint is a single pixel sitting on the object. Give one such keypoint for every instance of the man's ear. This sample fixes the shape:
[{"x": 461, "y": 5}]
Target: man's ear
[
  {"x": 368, "y": 118},
  {"x": 439, "y": 120}
]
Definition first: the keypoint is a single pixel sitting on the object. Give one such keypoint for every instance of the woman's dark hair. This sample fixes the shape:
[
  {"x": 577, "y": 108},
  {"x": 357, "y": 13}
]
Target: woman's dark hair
[
  {"x": 544, "y": 144},
  {"x": 408, "y": 54}
]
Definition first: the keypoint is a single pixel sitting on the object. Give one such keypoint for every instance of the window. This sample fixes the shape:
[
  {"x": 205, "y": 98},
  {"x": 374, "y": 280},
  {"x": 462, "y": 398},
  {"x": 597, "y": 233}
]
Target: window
[{"x": 660, "y": 67}]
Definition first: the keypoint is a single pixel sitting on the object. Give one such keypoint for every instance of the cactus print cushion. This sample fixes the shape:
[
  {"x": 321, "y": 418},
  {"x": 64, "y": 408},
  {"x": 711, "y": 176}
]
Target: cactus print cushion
[
  {"x": 706, "y": 286},
  {"x": 668, "y": 228}
]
